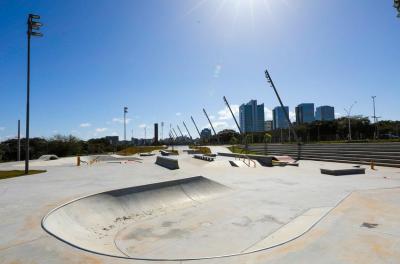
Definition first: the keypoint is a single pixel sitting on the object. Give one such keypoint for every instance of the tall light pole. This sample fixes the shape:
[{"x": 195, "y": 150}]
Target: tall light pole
[
  {"x": 209, "y": 121},
  {"x": 269, "y": 79},
  {"x": 33, "y": 24},
  {"x": 348, "y": 111},
  {"x": 198, "y": 131},
  {"x": 125, "y": 112},
  {"x": 234, "y": 118},
  {"x": 19, "y": 141},
  {"x": 375, "y": 117}
]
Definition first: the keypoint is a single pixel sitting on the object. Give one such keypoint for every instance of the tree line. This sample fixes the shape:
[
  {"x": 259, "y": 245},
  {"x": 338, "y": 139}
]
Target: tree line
[
  {"x": 336, "y": 130},
  {"x": 62, "y": 146}
]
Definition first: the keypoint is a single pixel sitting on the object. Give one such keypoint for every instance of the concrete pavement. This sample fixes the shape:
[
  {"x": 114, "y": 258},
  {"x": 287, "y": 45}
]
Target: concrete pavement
[{"x": 264, "y": 209}]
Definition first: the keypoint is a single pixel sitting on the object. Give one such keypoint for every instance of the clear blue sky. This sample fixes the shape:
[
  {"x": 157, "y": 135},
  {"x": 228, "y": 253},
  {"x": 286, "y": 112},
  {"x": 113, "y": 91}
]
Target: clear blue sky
[{"x": 167, "y": 59}]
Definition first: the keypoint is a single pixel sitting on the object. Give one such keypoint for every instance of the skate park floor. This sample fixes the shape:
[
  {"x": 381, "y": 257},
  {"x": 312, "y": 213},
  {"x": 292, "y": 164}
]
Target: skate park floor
[{"x": 206, "y": 212}]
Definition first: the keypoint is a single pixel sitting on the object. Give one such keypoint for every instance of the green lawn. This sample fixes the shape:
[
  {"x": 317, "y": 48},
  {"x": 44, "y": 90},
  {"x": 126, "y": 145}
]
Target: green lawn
[{"x": 17, "y": 173}]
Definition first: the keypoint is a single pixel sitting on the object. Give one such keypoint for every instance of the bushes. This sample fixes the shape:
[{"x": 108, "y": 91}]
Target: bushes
[
  {"x": 139, "y": 149},
  {"x": 202, "y": 150}
]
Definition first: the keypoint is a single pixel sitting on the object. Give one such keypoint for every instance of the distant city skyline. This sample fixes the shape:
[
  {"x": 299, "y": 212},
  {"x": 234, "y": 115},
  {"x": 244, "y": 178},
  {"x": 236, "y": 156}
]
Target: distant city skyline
[{"x": 166, "y": 61}]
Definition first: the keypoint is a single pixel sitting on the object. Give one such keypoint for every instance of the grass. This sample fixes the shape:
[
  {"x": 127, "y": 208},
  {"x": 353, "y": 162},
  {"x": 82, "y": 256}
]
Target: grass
[
  {"x": 202, "y": 150},
  {"x": 236, "y": 149},
  {"x": 17, "y": 173},
  {"x": 139, "y": 149}
]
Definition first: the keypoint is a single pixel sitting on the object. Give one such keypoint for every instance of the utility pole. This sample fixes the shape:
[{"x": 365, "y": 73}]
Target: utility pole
[
  {"x": 19, "y": 141},
  {"x": 33, "y": 24},
  {"x": 348, "y": 111}
]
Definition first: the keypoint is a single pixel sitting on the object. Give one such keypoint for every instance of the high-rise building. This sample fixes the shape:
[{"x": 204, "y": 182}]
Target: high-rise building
[
  {"x": 251, "y": 117},
  {"x": 205, "y": 133},
  {"x": 268, "y": 125},
  {"x": 155, "y": 132},
  {"x": 279, "y": 117},
  {"x": 305, "y": 113},
  {"x": 325, "y": 113}
]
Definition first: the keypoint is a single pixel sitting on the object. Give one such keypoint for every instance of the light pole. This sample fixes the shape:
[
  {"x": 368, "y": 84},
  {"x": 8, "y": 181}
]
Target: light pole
[
  {"x": 33, "y": 24},
  {"x": 19, "y": 141},
  {"x": 375, "y": 118},
  {"x": 348, "y": 111},
  {"x": 125, "y": 112}
]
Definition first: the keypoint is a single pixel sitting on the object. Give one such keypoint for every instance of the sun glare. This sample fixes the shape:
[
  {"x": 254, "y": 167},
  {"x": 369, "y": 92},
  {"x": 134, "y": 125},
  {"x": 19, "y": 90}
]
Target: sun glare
[{"x": 245, "y": 10}]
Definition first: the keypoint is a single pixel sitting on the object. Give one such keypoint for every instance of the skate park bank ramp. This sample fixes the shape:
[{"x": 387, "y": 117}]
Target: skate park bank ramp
[
  {"x": 185, "y": 219},
  {"x": 93, "y": 222}
]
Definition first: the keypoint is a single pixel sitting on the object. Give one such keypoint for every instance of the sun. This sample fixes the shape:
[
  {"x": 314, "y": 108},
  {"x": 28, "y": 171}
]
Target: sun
[{"x": 236, "y": 9}]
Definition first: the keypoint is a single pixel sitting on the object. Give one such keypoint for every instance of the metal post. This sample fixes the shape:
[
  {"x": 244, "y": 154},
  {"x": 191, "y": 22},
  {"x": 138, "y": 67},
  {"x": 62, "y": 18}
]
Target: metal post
[
  {"x": 32, "y": 25},
  {"x": 375, "y": 118},
  {"x": 348, "y": 111},
  {"x": 187, "y": 130},
  {"x": 269, "y": 79},
  {"x": 215, "y": 134},
  {"x": 176, "y": 135},
  {"x": 195, "y": 126},
  {"x": 349, "y": 128},
  {"x": 234, "y": 118},
  {"x": 27, "y": 100},
  {"x": 125, "y": 111},
  {"x": 19, "y": 141},
  {"x": 179, "y": 130}
]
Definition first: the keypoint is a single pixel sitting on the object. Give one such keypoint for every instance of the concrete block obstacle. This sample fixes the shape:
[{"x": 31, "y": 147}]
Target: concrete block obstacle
[
  {"x": 165, "y": 153},
  {"x": 342, "y": 172},
  {"x": 265, "y": 161},
  {"x": 203, "y": 157},
  {"x": 168, "y": 163},
  {"x": 146, "y": 154}
]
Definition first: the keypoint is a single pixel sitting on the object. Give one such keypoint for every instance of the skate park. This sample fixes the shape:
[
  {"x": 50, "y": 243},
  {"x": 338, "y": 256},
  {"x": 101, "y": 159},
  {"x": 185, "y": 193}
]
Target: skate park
[{"x": 135, "y": 211}]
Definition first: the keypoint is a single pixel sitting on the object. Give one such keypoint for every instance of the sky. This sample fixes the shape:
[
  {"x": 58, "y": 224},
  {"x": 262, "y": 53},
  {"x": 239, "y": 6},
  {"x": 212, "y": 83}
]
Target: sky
[{"x": 166, "y": 60}]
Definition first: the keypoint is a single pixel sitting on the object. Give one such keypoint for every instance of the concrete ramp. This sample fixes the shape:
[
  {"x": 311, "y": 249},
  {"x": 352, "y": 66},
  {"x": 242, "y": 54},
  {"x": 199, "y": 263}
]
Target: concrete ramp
[
  {"x": 107, "y": 158},
  {"x": 91, "y": 223}
]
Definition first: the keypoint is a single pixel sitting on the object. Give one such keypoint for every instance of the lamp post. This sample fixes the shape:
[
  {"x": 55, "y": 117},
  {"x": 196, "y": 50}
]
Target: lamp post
[
  {"x": 375, "y": 118},
  {"x": 125, "y": 112},
  {"x": 33, "y": 24},
  {"x": 19, "y": 141},
  {"x": 348, "y": 111}
]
